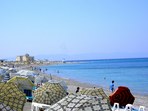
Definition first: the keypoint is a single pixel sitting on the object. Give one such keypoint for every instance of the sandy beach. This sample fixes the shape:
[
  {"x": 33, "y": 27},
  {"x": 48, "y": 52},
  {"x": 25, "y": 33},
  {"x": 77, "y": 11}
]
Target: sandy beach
[
  {"x": 73, "y": 84},
  {"x": 140, "y": 100}
]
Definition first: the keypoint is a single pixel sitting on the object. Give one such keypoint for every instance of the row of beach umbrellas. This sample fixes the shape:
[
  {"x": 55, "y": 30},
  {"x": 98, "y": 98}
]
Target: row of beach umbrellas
[
  {"x": 88, "y": 99},
  {"x": 55, "y": 96},
  {"x": 12, "y": 99},
  {"x": 54, "y": 93},
  {"x": 6, "y": 74}
]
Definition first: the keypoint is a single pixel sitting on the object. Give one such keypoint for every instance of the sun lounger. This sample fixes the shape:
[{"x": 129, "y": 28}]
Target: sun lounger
[
  {"x": 129, "y": 107},
  {"x": 37, "y": 106},
  {"x": 141, "y": 108}
]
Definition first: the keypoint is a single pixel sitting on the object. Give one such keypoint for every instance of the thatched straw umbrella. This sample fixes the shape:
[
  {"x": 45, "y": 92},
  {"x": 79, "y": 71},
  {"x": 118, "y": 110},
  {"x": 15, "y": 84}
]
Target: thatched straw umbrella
[
  {"x": 49, "y": 93},
  {"x": 22, "y": 82},
  {"x": 97, "y": 92},
  {"x": 81, "y": 103},
  {"x": 11, "y": 98}
]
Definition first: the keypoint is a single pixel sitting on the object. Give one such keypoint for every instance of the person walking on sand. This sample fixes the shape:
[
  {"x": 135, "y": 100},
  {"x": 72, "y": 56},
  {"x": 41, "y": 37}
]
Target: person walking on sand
[{"x": 112, "y": 86}]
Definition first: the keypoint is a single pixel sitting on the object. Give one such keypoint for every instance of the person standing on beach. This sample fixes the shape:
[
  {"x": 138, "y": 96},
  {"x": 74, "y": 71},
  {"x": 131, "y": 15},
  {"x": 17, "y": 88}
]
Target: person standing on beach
[
  {"x": 78, "y": 88},
  {"x": 112, "y": 86}
]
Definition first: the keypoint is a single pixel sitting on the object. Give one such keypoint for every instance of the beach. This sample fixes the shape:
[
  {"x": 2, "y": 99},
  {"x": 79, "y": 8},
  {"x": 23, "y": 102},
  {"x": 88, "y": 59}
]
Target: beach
[
  {"x": 140, "y": 100},
  {"x": 80, "y": 44}
]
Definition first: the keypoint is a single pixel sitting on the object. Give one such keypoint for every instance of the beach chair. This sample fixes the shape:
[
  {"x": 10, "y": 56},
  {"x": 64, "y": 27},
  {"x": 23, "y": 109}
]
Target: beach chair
[
  {"x": 128, "y": 107},
  {"x": 37, "y": 106},
  {"x": 141, "y": 108},
  {"x": 116, "y": 107}
]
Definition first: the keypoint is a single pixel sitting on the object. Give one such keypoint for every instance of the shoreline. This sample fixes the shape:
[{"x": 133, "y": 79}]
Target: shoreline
[
  {"x": 140, "y": 100},
  {"x": 96, "y": 85},
  {"x": 138, "y": 90}
]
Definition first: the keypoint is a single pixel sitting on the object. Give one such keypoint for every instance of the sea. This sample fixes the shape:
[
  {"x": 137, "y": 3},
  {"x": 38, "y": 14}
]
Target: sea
[{"x": 131, "y": 72}]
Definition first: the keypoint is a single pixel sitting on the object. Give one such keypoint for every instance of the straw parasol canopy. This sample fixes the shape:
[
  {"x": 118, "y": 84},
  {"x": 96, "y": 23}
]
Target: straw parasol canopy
[
  {"x": 11, "y": 98},
  {"x": 122, "y": 96},
  {"x": 97, "y": 92},
  {"x": 26, "y": 73},
  {"x": 49, "y": 93},
  {"x": 62, "y": 83},
  {"x": 40, "y": 79},
  {"x": 81, "y": 103},
  {"x": 22, "y": 82}
]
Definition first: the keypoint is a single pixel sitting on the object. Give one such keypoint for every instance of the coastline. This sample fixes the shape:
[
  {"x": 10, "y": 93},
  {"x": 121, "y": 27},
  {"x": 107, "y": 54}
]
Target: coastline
[{"x": 140, "y": 100}]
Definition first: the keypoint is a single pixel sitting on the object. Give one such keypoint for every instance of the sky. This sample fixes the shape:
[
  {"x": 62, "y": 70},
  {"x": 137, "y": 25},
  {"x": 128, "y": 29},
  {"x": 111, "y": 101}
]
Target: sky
[{"x": 74, "y": 29}]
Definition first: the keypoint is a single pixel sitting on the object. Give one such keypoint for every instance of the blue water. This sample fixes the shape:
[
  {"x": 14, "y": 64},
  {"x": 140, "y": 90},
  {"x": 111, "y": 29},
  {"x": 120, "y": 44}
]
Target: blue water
[{"x": 132, "y": 73}]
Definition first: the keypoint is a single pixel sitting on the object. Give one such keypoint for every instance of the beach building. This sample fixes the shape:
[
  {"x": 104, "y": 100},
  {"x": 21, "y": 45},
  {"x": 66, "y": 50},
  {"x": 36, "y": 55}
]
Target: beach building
[{"x": 25, "y": 58}]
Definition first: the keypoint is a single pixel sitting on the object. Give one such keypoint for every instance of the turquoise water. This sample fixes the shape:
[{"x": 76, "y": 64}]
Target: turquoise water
[{"x": 132, "y": 73}]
